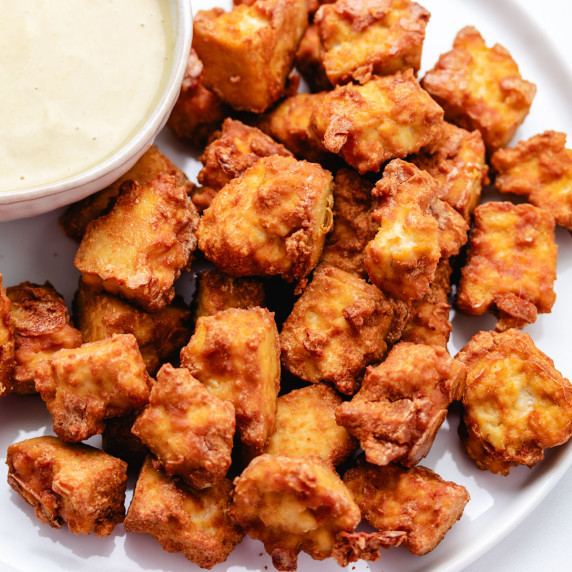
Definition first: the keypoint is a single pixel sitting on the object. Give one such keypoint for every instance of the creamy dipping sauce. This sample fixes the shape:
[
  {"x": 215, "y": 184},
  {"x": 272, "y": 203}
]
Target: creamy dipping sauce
[{"x": 77, "y": 79}]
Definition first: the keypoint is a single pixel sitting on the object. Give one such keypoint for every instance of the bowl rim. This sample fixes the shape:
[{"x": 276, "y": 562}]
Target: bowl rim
[{"x": 181, "y": 14}]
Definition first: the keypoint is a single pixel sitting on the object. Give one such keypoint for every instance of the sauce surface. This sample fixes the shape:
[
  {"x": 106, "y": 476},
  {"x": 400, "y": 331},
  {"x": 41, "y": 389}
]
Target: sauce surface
[{"x": 77, "y": 79}]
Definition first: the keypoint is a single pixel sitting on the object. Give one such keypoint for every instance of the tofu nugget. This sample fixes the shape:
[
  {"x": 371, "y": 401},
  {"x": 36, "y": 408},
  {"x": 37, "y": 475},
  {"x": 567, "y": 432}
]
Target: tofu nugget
[
  {"x": 511, "y": 264},
  {"x": 236, "y": 355},
  {"x": 195, "y": 523},
  {"x": 416, "y": 230},
  {"x": 248, "y": 52},
  {"x": 6, "y": 342},
  {"x": 73, "y": 484},
  {"x": 141, "y": 246},
  {"x": 293, "y": 505},
  {"x": 416, "y": 501},
  {"x": 272, "y": 220},
  {"x": 385, "y": 118},
  {"x": 339, "y": 325},
  {"x": 539, "y": 169},
  {"x": 515, "y": 402},
  {"x": 403, "y": 402},
  {"x": 480, "y": 88},
  {"x": 84, "y": 386},
  {"x": 369, "y": 37},
  {"x": 187, "y": 428},
  {"x": 42, "y": 326}
]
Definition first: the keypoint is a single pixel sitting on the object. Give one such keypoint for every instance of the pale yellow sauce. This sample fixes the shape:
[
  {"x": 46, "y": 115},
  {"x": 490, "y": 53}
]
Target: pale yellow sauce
[{"x": 77, "y": 79}]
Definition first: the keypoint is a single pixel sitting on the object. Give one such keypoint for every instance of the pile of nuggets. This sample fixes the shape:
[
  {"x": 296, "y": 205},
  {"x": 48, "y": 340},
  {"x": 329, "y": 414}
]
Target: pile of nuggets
[{"x": 309, "y": 377}]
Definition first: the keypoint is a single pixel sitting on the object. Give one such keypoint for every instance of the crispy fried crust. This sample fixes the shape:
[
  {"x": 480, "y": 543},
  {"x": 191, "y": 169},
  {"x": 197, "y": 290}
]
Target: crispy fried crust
[
  {"x": 480, "y": 88},
  {"x": 309, "y": 60},
  {"x": 540, "y": 169},
  {"x": 337, "y": 327},
  {"x": 152, "y": 163},
  {"x": 272, "y": 220},
  {"x": 141, "y": 264},
  {"x": 84, "y": 386},
  {"x": 42, "y": 326},
  {"x": 385, "y": 118},
  {"x": 293, "y": 505},
  {"x": 515, "y": 402},
  {"x": 415, "y": 501},
  {"x": 236, "y": 355},
  {"x": 360, "y": 39},
  {"x": 416, "y": 230},
  {"x": 402, "y": 403},
  {"x": 511, "y": 264},
  {"x": 187, "y": 428},
  {"x": 182, "y": 519},
  {"x": 7, "y": 350},
  {"x": 74, "y": 484},
  {"x": 160, "y": 336}
]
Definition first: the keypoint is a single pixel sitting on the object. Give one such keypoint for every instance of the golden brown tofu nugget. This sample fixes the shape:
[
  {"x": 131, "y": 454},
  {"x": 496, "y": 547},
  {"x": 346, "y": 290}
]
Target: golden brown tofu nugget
[
  {"x": 6, "y": 342},
  {"x": 187, "y": 428},
  {"x": 141, "y": 246},
  {"x": 42, "y": 326},
  {"x": 195, "y": 523},
  {"x": 403, "y": 402},
  {"x": 293, "y": 505},
  {"x": 84, "y": 386},
  {"x": 309, "y": 60},
  {"x": 272, "y": 220},
  {"x": 236, "y": 355},
  {"x": 248, "y": 52},
  {"x": 515, "y": 402},
  {"x": 363, "y": 38},
  {"x": 152, "y": 163},
  {"x": 539, "y": 169},
  {"x": 160, "y": 336},
  {"x": 416, "y": 230},
  {"x": 73, "y": 484},
  {"x": 385, "y": 118},
  {"x": 511, "y": 265},
  {"x": 416, "y": 501},
  {"x": 480, "y": 88},
  {"x": 306, "y": 426},
  {"x": 338, "y": 326},
  {"x": 217, "y": 291}
]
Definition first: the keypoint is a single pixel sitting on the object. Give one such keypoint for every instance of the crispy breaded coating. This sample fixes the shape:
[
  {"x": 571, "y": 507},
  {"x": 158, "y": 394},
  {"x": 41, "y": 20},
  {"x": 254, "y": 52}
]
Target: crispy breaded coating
[
  {"x": 236, "y": 354},
  {"x": 458, "y": 164},
  {"x": 187, "y": 428},
  {"x": 385, "y": 118},
  {"x": 416, "y": 501},
  {"x": 69, "y": 483},
  {"x": 160, "y": 336},
  {"x": 416, "y": 230},
  {"x": 117, "y": 440},
  {"x": 7, "y": 350},
  {"x": 515, "y": 402},
  {"x": 305, "y": 426},
  {"x": 539, "y": 169},
  {"x": 337, "y": 327},
  {"x": 511, "y": 265},
  {"x": 354, "y": 226},
  {"x": 354, "y": 546},
  {"x": 195, "y": 523},
  {"x": 480, "y": 88},
  {"x": 370, "y": 37},
  {"x": 309, "y": 60},
  {"x": 42, "y": 326},
  {"x": 84, "y": 386},
  {"x": 248, "y": 52},
  {"x": 237, "y": 147},
  {"x": 217, "y": 291},
  {"x": 141, "y": 246},
  {"x": 198, "y": 112},
  {"x": 403, "y": 402},
  {"x": 272, "y": 220},
  {"x": 293, "y": 505},
  {"x": 152, "y": 163}
]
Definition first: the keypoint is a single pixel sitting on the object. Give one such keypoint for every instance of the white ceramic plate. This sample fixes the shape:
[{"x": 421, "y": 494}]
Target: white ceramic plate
[{"x": 35, "y": 249}]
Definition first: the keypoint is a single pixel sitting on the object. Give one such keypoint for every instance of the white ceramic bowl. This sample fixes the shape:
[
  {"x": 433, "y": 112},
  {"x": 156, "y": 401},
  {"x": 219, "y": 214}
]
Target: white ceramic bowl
[{"x": 44, "y": 198}]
